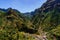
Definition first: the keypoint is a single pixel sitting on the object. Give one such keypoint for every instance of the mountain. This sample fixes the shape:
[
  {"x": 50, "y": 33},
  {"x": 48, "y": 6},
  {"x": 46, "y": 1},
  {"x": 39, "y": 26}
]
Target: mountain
[
  {"x": 14, "y": 25},
  {"x": 47, "y": 18},
  {"x": 41, "y": 24},
  {"x": 49, "y": 5}
]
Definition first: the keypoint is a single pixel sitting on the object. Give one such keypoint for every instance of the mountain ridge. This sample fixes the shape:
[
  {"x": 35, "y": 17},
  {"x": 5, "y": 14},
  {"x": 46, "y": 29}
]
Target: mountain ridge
[
  {"x": 48, "y": 18},
  {"x": 44, "y": 23}
]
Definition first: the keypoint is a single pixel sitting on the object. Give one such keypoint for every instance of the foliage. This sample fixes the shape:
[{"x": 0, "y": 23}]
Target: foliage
[{"x": 11, "y": 25}]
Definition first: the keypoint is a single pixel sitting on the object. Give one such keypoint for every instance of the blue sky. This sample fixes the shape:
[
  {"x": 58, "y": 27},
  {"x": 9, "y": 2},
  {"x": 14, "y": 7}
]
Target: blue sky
[{"x": 22, "y": 5}]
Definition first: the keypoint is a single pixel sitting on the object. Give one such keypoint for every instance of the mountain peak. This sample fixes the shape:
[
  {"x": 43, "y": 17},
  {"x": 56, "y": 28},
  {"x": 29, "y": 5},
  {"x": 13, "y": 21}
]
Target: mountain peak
[
  {"x": 50, "y": 0},
  {"x": 53, "y": 1},
  {"x": 49, "y": 5}
]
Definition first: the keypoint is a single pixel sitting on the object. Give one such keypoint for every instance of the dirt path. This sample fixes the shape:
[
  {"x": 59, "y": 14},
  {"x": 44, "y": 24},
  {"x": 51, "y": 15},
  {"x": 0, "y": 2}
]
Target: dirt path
[{"x": 37, "y": 37}]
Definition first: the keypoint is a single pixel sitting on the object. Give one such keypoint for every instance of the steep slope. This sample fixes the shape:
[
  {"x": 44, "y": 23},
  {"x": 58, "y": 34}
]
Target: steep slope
[
  {"x": 48, "y": 18},
  {"x": 8, "y": 27},
  {"x": 13, "y": 25},
  {"x": 45, "y": 22}
]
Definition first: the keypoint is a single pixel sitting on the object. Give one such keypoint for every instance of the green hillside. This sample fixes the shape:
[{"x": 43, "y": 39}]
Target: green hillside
[{"x": 42, "y": 24}]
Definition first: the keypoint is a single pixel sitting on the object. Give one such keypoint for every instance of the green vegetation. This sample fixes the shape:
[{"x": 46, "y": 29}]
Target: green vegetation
[
  {"x": 15, "y": 26},
  {"x": 50, "y": 23},
  {"x": 44, "y": 24},
  {"x": 11, "y": 25}
]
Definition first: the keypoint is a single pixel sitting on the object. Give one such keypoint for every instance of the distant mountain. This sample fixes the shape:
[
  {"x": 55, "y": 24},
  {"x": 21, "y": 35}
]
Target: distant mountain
[
  {"x": 28, "y": 15},
  {"x": 2, "y": 9}
]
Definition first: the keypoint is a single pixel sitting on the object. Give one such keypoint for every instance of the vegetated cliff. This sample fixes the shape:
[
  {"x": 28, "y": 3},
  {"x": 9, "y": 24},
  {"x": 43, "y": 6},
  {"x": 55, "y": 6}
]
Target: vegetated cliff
[{"x": 48, "y": 18}]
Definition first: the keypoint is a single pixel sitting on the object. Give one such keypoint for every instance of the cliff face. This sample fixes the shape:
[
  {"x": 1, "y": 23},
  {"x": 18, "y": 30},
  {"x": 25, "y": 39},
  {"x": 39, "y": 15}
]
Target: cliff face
[{"x": 49, "y": 5}]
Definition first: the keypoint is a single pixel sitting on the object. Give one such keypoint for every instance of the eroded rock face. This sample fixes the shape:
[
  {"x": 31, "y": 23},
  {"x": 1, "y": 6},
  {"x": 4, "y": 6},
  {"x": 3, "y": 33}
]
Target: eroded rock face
[
  {"x": 49, "y": 5},
  {"x": 50, "y": 0}
]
